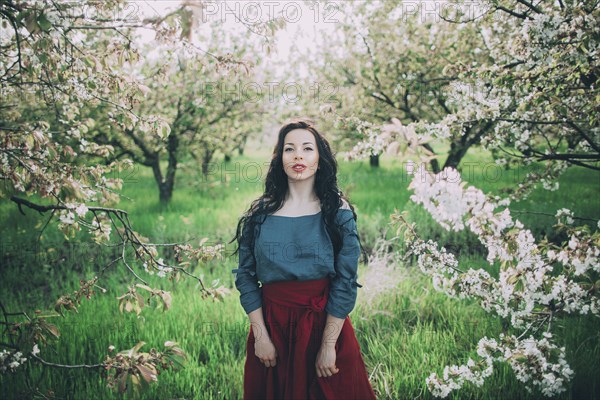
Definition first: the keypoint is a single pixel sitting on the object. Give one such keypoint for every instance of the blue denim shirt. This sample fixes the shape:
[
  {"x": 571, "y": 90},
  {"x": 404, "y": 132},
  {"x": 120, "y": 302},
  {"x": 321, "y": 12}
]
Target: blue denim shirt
[{"x": 299, "y": 248}]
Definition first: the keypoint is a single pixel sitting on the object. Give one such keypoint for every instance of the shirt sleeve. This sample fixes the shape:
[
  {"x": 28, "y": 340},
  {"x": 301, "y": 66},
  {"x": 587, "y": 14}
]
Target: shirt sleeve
[
  {"x": 246, "y": 280},
  {"x": 343, "y": 289}
]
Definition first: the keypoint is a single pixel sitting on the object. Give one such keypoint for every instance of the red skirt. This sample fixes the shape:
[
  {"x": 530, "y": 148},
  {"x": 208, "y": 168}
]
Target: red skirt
[{"x": 295, "y": 318}]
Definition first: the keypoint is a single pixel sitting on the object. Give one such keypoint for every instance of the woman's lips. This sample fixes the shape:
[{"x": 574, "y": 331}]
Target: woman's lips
[{"x": 299, "y": 168}]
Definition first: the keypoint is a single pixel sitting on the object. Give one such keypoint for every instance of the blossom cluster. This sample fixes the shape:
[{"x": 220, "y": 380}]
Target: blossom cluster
[
  {"x": 526, "y": 291},
  {"x": 10, "y": 361},
  {"x": 525, "y": 282},
  {"x": 373, "y": 142},
  {"x": 536, "y": 362},
  {"x": 391, "y": 138}
]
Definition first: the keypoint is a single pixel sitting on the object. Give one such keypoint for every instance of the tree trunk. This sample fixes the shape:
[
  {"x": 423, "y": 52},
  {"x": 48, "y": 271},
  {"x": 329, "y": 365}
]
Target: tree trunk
[
  {"x": 458, "y": 148},
  {"x": 166, "y": 185},
  {"x": 242, "y": 144},
  {"x": 435, "y": 165},
  {"x": 165, "y": 193},
  {"x": 456, "y": 153},
  {"x": 208, "y": 154},
  {"x": 374, "y": 160}
]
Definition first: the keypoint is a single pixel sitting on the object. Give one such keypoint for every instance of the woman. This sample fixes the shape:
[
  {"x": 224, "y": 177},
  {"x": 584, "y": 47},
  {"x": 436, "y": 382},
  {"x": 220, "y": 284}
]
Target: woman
[{"x": 299, "y": 239}]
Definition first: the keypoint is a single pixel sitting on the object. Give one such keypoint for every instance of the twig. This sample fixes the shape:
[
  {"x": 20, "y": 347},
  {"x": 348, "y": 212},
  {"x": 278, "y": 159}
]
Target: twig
[{"x": 50, "y": 364}]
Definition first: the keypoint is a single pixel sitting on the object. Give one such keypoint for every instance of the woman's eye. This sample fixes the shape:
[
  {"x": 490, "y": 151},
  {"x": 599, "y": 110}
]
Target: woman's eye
[{"x": 289, "y": 148}]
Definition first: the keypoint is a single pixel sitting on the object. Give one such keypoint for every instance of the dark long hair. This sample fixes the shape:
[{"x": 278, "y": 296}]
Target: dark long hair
[{"x": 276, "y": 187}]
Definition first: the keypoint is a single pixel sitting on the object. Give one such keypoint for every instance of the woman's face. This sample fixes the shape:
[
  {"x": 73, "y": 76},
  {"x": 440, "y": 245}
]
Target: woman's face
[{"x": 300, "y": 155}]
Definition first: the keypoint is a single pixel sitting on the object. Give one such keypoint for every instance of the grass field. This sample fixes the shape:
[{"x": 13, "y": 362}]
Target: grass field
[{"x": 405, "y": 333}]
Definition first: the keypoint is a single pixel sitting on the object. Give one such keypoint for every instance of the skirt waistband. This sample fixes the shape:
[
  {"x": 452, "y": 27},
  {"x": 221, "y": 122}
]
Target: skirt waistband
[{"x": 311, "y": 294}]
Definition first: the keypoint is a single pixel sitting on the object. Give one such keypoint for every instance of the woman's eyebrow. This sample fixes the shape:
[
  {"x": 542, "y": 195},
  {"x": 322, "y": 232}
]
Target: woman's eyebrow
[{"x": 302, "y": 143}]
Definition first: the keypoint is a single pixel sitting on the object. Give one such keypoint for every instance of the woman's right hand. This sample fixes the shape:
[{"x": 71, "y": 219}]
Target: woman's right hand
[{"x": 266, "y": 352}]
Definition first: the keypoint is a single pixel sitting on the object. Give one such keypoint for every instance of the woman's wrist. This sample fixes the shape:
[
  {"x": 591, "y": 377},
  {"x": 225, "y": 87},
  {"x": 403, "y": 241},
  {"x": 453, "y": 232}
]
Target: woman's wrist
[
  {"x": 260, "y": 332},
  {"x": 263, "y": 338}
]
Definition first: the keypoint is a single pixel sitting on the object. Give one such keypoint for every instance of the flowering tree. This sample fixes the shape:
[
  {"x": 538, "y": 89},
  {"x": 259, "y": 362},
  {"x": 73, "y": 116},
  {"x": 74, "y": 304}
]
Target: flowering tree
[
  {"x": 539, "y": 109},
  {"x": 538, "y": 91},
  {"x": 64, "y": 80},
  {"x": 201, "y": 101},
  {"x": 393, "y": 63}
]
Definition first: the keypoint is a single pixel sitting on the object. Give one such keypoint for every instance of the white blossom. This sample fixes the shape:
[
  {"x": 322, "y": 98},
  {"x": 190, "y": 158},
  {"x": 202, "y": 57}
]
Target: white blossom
[
  {"x": 81, "y": 210},
  {"x": 525, "y": 282},
  {"x": 10, "y": 361},
  {"x": 67, "y": 218}
]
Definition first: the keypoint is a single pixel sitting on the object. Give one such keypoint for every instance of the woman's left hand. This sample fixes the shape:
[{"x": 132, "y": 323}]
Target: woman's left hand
[{"x": 326, "y": 361}]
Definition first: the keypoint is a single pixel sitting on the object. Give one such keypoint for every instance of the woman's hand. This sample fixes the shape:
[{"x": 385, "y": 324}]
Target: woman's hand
[
  {"x": 265, "y": 351},
  {"x": 326, "y": 361}
]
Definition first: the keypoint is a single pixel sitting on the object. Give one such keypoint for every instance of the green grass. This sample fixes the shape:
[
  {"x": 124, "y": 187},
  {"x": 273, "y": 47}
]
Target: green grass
[{"x": 404, "y": 335}]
